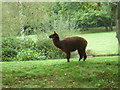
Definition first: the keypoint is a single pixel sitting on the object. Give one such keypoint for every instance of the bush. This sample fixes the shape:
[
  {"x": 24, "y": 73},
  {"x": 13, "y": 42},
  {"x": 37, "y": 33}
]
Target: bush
[
  {"x": 27, "y": 54},
  {"x": 29, "y": 44},
  {"x": 11, "y": 42},
  {"x": 42, "y": 48},
  {"x": 10, "y": 46},
  {"x": 8, "y": 54},
  {"x": 48, "y": 49}
]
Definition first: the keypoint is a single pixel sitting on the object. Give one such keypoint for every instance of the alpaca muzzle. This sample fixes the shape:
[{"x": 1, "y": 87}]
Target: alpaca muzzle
[{"x": 50, "y": 37}]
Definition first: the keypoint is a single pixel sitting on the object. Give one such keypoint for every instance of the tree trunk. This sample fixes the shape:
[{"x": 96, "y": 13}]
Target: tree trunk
[
  {"x": 118, "y": 26},
  {"x": 118, "y": 22},
  {"x": 21, "y": 21},
  {"x": 110, "y": 27},
  {"x": 106, "y": 28}
]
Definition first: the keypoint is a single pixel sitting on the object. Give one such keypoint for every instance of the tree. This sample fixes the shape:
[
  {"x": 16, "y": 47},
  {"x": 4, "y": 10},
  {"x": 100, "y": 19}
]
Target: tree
[
  {"x": 34, "y": 15},
  {"x": 10, "y": 18},
  {"x": 86, "y": 14},
  {"x": 118, "y": 21}
]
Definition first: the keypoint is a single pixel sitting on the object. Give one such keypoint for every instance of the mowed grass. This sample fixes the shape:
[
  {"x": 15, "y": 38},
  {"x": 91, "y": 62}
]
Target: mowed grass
[
  {"x": 95, "y": 72},
  {"x": 103, "y": 43}
]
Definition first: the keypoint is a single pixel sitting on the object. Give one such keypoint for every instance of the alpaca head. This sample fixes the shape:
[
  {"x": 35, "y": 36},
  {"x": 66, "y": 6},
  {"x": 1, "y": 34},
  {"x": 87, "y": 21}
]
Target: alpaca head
[{"x": 54, "y": 35}]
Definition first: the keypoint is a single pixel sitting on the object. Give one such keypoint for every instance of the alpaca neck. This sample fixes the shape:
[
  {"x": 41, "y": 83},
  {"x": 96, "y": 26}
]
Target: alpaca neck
[{"x": 56, "y": 42}]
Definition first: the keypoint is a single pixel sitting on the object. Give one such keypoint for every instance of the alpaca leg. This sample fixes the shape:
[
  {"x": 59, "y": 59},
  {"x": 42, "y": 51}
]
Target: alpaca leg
[
  {"x": 68, "y": 56},
  {"x": 85, "y": 56},
  {"x": 80, "y": 54}
]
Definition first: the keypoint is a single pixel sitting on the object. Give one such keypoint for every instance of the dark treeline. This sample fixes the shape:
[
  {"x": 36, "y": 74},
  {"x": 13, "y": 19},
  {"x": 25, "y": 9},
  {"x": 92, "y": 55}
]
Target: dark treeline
[{"x": 39, "y": 16}]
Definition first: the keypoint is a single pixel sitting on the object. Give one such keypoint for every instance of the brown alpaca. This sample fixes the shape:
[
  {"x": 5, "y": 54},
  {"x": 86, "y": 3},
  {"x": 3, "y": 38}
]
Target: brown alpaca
[{"x": 70, "y": 44}]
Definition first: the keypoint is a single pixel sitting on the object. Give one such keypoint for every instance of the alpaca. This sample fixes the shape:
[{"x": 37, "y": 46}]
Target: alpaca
[{"x": 70, "y": 44}]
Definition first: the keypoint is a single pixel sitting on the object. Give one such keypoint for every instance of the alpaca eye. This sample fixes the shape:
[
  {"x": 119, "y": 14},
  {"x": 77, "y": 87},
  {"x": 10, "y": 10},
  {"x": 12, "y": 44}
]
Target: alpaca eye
[{"x": 55, "y": 35}]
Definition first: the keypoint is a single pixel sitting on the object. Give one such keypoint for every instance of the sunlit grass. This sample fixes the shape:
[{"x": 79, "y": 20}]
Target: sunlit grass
[
  {"x": 104, "y": 43},
  {"x": 94, "y": 72}
]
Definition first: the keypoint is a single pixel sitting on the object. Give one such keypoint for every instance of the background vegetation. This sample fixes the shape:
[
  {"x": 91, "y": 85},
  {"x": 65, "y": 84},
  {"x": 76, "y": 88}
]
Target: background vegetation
[
  {"x": 37, "y": 17},
  {"x": 39, "y": 20}
]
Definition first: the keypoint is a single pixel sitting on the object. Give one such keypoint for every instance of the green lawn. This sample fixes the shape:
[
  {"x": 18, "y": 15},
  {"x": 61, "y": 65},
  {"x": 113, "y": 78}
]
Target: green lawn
[
  {"x": 93, "y": 73},
  {"x": 104, "y": 43}
]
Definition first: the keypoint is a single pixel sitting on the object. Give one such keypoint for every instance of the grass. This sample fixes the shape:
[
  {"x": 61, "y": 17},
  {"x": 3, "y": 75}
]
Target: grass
[
  {"x": 97, "y": 72},
  {"x": 104, "y": 43}
]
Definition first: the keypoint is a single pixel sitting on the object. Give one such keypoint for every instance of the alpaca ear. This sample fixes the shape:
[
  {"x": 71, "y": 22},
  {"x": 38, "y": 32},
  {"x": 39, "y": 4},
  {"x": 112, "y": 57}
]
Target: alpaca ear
[{"x": 54, "y": 32}]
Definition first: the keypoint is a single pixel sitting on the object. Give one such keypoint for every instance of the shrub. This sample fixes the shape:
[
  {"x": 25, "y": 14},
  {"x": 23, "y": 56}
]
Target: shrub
[
  {"x": 27, "y": 54},
  {"x": 42, "y": 48},
  {"x": 9, "y": 48},
  {"x": 48, "y": 49},
  {"x": 28, "y": 43},
  {"x": 11, "y": 42}
]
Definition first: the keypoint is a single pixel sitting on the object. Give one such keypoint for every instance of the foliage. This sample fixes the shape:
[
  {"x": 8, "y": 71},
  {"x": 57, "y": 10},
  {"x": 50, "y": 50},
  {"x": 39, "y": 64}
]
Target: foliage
[
  {"x": 14, "y": 49},
  {"x": 10, "y": 46},
  {"x": 27, "y": 54},
  {"x": 44, "y": 17},
  {"x": 95, "y": 72},
  {"x": 86, "y": 14}
]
